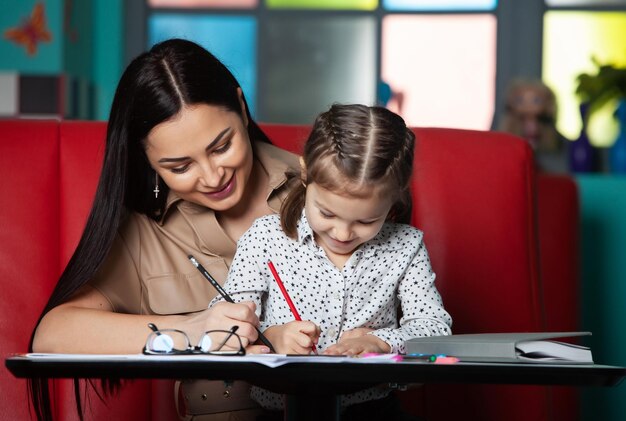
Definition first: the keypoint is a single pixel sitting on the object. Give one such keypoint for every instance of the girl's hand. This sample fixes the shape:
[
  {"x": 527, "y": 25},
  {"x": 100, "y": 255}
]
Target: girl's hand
[
  {"x": 355, "y": 333},
  {"x": 295, "y": 337},
  {"x": 257, "y": 349},
  {"x": 357, "y": 346}
]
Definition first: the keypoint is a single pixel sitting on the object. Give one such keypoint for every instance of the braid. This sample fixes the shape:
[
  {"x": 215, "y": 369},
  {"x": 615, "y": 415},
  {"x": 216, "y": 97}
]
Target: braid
[{"x": 335, "y": 136}]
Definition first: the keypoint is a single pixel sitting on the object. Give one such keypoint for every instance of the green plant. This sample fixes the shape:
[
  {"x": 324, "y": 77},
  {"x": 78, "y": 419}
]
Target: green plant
[{"x": 607, "y": 85}]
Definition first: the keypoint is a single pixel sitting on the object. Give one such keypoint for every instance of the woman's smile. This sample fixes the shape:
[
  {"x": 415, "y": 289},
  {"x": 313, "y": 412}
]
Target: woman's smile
[{"x": 225, "y": 190}]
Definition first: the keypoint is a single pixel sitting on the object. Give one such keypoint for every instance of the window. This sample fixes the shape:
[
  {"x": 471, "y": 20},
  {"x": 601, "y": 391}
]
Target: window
[{"x": 294, "y": 58}]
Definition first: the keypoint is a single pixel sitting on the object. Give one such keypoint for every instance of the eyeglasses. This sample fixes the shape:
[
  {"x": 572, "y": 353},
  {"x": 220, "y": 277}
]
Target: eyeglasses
[{"x": 176, "y": 342}]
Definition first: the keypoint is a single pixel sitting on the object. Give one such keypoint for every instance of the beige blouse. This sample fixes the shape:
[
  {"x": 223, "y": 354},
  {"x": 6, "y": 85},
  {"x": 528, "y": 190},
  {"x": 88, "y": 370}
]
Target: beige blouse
[{"x": 147, "y": 270}]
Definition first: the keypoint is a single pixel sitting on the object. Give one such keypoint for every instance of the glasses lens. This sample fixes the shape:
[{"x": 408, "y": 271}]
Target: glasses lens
[
  {"x": 167, "y": 341},
  {"x": 220, "y": 342},
  {"x": 162, "y": 343},
  {"x": 206, "y": 343}
]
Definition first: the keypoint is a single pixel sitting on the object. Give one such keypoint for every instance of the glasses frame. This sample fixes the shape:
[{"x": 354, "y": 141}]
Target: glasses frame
[{"x": 196, "y": 349}]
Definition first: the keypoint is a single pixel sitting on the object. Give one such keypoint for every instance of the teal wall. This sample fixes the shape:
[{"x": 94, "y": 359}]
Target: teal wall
[
  {"x": 108, "y": 47},
  {"x": 87, "y": 48},
  {"x": 78, "y": 40},
  {"x": 603, "y": 248}
]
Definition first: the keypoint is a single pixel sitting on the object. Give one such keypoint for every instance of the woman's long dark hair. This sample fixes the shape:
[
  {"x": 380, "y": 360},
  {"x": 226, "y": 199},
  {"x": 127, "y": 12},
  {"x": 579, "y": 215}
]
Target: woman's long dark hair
[{"x": 153, "y": 89}]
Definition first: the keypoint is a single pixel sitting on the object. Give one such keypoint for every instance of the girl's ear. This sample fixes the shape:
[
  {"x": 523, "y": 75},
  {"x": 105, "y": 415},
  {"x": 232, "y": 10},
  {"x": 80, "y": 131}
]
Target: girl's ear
[
  {"x": 302, "y": 171},
  {"x": 242, "y": 104}
]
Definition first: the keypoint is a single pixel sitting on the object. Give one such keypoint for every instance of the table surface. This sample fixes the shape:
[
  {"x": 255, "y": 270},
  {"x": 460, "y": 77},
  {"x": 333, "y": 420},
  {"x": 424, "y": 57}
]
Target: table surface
[{"x": 307, "y": 377}]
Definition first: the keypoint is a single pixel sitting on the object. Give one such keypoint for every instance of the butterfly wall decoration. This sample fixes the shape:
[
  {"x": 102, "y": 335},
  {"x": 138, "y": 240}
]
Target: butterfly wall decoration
[{"x": 32, "y": 31}]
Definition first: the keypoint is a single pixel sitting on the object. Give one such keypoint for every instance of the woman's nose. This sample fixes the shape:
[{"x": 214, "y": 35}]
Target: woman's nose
[{"x": 212, "y": 175}]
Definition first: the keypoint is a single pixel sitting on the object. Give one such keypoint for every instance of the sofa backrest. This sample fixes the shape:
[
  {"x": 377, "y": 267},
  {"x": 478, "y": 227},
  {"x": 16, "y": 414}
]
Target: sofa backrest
[
  {"x": 474, "y": 198},
  {"x": 558, "y": 214},
  {"x": 29, "y": 242},
  {"x": 81, "y": 153}
]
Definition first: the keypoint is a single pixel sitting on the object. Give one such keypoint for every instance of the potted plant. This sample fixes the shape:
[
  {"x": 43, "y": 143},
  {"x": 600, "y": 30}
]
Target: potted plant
[
  {"x": 606, "y": 86},
  {"x": 604, "y": 96}
]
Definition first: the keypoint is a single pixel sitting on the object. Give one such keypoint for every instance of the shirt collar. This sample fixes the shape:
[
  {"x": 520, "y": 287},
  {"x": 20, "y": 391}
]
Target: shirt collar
[{"x": 305, "y": 232}]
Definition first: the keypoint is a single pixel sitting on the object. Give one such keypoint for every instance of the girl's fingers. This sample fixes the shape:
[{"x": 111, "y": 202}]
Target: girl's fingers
[
  {"x": 310, "y": 329},
  {"x": 355, "y": 333},
  {"x": 257, "y": 349}
]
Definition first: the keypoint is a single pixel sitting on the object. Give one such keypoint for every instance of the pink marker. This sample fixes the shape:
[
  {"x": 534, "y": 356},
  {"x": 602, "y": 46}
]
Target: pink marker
[{"x": 446, "y": 360}]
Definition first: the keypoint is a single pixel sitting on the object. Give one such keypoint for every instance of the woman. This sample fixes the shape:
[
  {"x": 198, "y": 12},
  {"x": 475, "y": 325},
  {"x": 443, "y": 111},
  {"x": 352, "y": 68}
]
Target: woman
[{"x": 186, "y": 171}]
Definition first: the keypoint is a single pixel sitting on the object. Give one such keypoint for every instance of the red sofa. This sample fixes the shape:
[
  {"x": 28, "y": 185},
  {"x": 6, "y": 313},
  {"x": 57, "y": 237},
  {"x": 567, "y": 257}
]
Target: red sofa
[{"x": 475, "y": 197}]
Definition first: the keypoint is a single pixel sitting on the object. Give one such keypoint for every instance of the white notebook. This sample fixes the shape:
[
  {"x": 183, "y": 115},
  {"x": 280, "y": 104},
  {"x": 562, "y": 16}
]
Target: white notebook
[{"x": 536, "y": 347}]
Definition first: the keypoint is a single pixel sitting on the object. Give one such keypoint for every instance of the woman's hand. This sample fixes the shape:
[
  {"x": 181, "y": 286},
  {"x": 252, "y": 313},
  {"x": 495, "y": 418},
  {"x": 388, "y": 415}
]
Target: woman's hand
[
  {"x": 297, "y": 337},
  {"x": 223, "y": 316},
  {"x": 359, "y": 345}
]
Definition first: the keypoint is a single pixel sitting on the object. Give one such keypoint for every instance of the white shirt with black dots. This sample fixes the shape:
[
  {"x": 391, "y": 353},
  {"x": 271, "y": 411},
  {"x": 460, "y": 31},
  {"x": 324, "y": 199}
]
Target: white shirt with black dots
[{"x": 391, "y": 269}]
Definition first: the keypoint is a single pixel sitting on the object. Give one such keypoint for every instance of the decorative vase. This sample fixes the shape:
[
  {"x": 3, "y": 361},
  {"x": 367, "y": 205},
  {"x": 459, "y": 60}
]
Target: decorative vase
[
  {"x": 581, "y": 153},
  {"x": 617, "y": 152}
]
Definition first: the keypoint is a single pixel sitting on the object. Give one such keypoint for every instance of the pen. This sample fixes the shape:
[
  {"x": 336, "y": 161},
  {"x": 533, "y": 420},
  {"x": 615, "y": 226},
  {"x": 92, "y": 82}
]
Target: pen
[
  {"x": 227, "y": 297},
  {"x": 292, "y": 307},
  {"x": 433, "y": 358}
]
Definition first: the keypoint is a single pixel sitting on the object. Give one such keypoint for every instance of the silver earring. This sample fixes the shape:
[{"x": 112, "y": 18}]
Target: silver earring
[{"x": 156, "y": 185}]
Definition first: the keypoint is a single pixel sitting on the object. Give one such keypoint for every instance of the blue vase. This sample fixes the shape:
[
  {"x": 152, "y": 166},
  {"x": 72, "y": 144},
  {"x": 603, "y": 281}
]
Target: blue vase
[
  {"x": 617, "y": 152},
  {"x": 581, "y": 153}
]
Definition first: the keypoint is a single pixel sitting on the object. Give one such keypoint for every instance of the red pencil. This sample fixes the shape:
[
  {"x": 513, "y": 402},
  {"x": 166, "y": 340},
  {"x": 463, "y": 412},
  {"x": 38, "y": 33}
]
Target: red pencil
[{"x": 292, "y": 307}]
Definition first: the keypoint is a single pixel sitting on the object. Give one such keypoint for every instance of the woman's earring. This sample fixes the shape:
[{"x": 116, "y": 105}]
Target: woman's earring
[{"x": 156, "y": 185}]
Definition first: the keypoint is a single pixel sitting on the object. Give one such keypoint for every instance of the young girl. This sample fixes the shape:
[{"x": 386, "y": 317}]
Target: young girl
[{"x": 337, "y": 245}]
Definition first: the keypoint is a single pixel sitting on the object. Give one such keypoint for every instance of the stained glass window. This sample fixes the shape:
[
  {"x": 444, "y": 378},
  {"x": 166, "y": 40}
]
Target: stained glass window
[{"x": 294, "y": 58}]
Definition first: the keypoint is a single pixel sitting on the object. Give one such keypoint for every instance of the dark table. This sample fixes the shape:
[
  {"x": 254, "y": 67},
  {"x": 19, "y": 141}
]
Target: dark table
[{"x": 316, "y": 385}]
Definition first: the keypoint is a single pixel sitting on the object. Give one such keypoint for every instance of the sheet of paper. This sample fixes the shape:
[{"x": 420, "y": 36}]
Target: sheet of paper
[{"x": 270, "y": 360}]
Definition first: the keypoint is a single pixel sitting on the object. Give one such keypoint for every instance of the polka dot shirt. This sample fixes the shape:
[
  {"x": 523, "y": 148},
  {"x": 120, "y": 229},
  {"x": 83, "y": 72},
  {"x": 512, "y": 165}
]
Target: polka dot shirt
[{"x": 391, "y": 269}]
